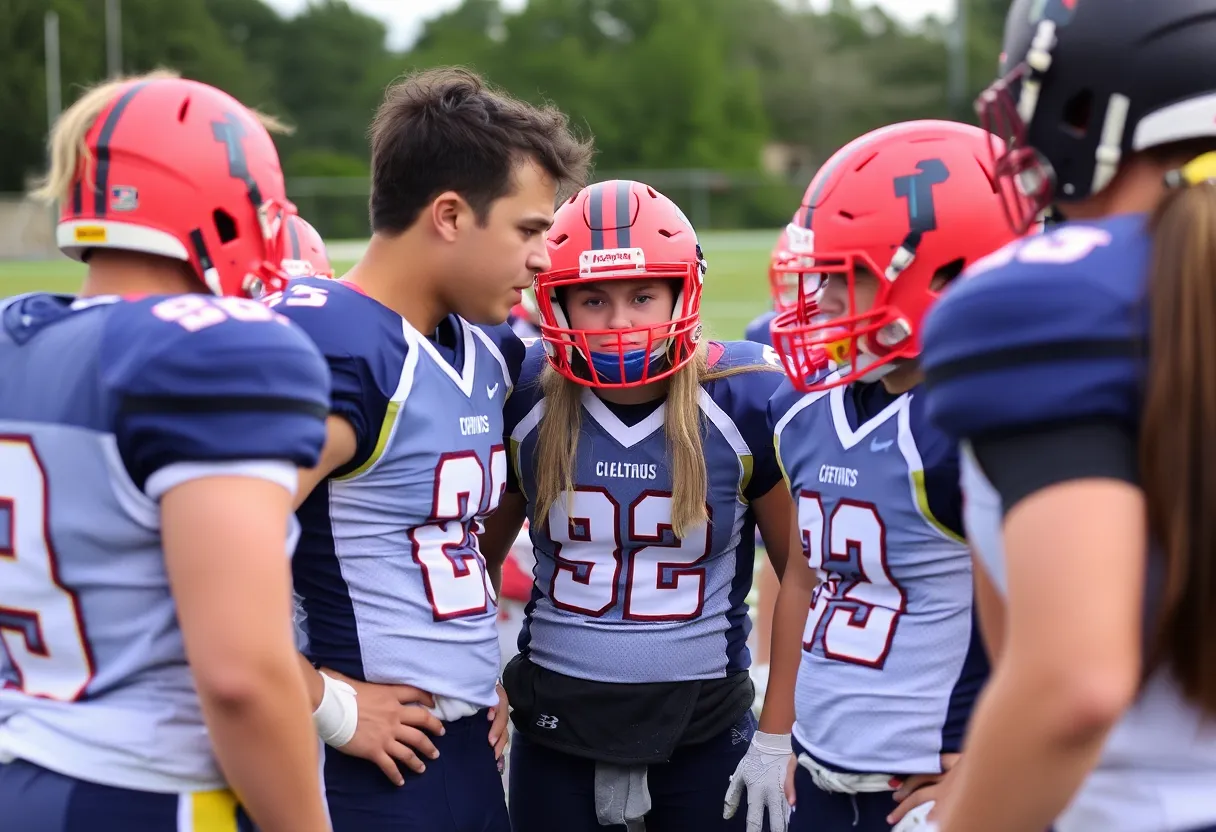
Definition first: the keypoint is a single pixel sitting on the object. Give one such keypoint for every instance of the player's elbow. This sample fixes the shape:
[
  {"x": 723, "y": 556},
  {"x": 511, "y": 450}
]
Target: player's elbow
[
  {"x": 244, "y": 683},
  {"x": 1090, "y": 695}
]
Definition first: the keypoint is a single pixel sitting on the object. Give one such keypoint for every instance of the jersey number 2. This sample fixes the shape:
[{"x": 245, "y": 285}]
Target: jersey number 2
[
  {"x": 664, "y": 582},
  {"x": 453, "y": 570},
  {"x": 856, "y": 616},
  {"x": 40, "y": 622}
]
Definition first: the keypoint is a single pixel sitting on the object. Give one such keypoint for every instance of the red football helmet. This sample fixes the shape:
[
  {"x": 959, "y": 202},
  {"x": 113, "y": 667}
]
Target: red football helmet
[
  {"x": 182, "y": 170},
  {"x": 306, "y": 253},
  {"x": 905, "y": 203},
  {"x": 621, "y": 230},
  {"x": 783, "y": 283}
]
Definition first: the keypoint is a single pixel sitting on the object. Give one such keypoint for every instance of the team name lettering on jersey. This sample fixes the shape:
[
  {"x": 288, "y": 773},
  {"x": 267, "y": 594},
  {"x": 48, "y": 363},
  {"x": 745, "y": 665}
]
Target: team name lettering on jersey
[
  {"x": 474, "y": 425},
  {"x": 838, "y": 475},
  {"x": 627, "y": 470}
]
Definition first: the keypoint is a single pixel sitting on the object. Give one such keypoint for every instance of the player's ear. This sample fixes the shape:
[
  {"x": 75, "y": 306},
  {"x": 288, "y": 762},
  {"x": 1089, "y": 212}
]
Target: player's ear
[{"x": 448, "y": 213}]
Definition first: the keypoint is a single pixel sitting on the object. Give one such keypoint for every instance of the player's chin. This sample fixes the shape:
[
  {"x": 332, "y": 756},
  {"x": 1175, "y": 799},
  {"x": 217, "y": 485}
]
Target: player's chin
[{"x": 490, "y": 314}]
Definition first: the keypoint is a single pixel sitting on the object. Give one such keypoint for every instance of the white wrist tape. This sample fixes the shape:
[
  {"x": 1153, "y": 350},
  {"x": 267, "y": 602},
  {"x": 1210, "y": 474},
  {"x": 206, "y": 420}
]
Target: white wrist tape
[{"x": 337, "y": 715}]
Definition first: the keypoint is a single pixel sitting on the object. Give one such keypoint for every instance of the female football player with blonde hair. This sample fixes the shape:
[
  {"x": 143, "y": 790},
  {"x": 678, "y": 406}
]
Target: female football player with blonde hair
[
  {"x": 151, "y": 432},
  {"x": 642, "y": 459}
]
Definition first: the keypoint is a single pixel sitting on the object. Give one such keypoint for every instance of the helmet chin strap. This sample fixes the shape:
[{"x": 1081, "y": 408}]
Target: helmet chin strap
[{"x": 874, "y": 373}]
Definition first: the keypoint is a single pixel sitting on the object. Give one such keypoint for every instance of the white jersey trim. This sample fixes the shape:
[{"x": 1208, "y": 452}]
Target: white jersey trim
[{"x": 493, "y": 350}]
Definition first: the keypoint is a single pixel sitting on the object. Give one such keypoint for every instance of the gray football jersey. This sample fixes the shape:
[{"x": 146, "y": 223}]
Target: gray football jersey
[
  {"x": 104, "y": 405},
  {"x": 892, "y": 659},
  {"x": 617, "y": 596},
  {"x": 392, "y": 587}
]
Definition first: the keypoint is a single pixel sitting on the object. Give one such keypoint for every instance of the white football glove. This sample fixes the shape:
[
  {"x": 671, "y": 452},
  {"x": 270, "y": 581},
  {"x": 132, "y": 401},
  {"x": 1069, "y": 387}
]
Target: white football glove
[
  {"x": 917, "y": 820},
  {"x": 761, "y": 773}
]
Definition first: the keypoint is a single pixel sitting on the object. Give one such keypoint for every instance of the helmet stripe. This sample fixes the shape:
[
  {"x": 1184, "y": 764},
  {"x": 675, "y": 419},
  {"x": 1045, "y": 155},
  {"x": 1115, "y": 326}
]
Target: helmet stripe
[
  {"x": 102, "y": 180},
  {"x": 624, "y": 201},
  {"x": 595, "y": 214}
]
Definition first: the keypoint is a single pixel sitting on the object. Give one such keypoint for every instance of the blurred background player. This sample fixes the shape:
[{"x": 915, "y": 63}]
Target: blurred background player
[
  {"x": 395, "y": 595},
  {"x": 783, "y": 288},
  {"x": 150, "y": 434},
  {"x": 306, "y": 254},
  {"x": 891, "y": 654},
  {"x": 643, "y": 463},
  {"x": 525, "y": 315},
  {"x": 1078, "y": 368}
]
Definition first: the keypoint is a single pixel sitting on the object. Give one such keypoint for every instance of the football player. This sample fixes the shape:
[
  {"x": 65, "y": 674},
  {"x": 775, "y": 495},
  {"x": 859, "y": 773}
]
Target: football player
[
  {"x": 1077, "y": 367},
  {"x": 395, "y": 596},
  {"x": 782, "y": 286},
  {"x": 306, "y": 254},
  {"x": 643, "y": 463},
  {"x": 891, "y": 657},
  {"x": 151, "y": 429}
]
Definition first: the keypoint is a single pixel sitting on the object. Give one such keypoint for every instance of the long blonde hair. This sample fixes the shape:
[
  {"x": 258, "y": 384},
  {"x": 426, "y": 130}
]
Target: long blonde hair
[
  {"x": 557, "y": 439},
  {"x": 67, "y": 145}
]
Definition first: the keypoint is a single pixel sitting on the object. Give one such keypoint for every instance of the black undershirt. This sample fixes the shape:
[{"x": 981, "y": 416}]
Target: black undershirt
[{"x": 1020, "y": 463}]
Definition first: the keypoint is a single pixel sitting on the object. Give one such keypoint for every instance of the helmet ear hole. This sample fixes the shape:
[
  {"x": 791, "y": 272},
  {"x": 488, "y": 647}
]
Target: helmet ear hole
[
  {"x": 1078, "y": 111},
  {"x": 225, "y": 225},
  {"x": 947, "y": 274}
]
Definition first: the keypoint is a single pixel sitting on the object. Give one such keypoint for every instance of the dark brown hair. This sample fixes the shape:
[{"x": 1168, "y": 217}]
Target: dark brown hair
[
  {"x": 1178, "y": 432},
  {"x": 445, "y": 129}
]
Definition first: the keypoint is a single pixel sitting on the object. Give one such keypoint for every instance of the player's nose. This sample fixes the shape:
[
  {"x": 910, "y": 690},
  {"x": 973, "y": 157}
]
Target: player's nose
[
  {"x": 539, "y": 260},
  {"x": 620, "y": 317}
]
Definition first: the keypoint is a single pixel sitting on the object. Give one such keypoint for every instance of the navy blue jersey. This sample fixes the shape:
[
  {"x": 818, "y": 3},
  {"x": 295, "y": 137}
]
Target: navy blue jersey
[
  {"x": 105, "y": 405},
  {"x": 392, "y": 584},
  {"x": 1047, "y": 329},
  {"x": 758, "y": 329},
  {"x": 1051, "y": 330},
  {"x": 617, "y": 597}
]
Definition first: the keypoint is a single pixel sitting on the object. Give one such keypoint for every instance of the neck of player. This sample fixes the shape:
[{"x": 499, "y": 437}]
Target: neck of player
[
  {"x": 392, "y": 273},
  {"x": 130, "y": 273},
  {"x": 635, "y": 395}
]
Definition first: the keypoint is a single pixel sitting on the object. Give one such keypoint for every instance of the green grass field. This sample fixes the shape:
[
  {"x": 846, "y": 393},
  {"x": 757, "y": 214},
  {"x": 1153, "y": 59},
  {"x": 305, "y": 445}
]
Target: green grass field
[{"x": 736, "y": 287}]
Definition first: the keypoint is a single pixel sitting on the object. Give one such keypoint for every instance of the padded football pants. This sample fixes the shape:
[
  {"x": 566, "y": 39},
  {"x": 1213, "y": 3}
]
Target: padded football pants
[
  {"x": 460, "y": 791},
  {"x": 35, "y": 799}
]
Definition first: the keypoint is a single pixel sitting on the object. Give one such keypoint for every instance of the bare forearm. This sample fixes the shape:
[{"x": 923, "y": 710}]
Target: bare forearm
[
  {"x": 267, "y": 748},
  {"x": 1025, "y": 761}
]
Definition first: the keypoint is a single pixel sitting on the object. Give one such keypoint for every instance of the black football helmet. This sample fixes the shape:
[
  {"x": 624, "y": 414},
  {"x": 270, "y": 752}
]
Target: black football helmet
[{"x": 1086, "y": 82}]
